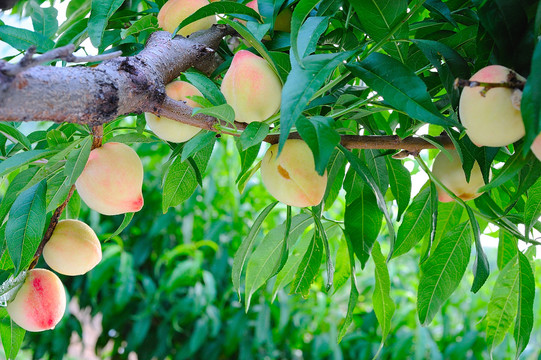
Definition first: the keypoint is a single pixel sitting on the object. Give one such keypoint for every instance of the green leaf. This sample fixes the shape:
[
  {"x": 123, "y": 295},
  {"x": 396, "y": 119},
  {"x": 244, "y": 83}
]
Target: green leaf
[
  {"x": 335, "y": 177},
  {"x": 353, "y": 295},
  {"x": 101, "y": 12},
  {"x": 58, "y": 188},
  {"x": 180, "y": 178},
  {"x": 382, "y": 301},
  {"x": 267, "y": 257},
  {"x": 308, "y": 268},
  {"x": 362, "y": 220},
  {"x": 25, "y": 225},
  {"x": 533, "y": 206},
  {"x": 22, "y": 39},
  {"x": 125, "y": 222},
  {"x": 77, "y": 160},
  {"x": 20, "y": 159},
  {"x": 481, "y": 265},
  {"x": 507, "y": 248},
  {"x": 526, "y": 296},
  {"x": 301, "y": 11},
  {"x": 12, "y": 133},
  {"x": 376, "y": 164},
  {"x": 245, "y": 248},
  {"x": 512, "y": 166},
  {"x": 440, "y": 8},
  {"x": 254, "y": 134},
  {"x": 318, "y": 132},
  {"x": 224, "y": 112},
  {"x": 442, "y": 272},
  {"x": 219, "y": 7},
  {"x": 12, "y": 335},
  {"x": 207, "y": 87},
  {"x": 365, "y": 174},
  {"x": 310, "y": 33},
  {"x": 416, "y": 222},
  {"x": 131, "y": 138},
  {"x": 302, "y": 84},
  {"x": 44, "y": 20},
  {"x": 379, "y": 17},
  {"x": 197, "y": 143},
  {"x": 15, "y": 187},
  {"x": 146, "y": 23},
  {"x": 343, "y": 268},
  {"x": 400, "y": 87},
  {"x": 449, "y": 215},
  {"x": 125, "y": 286},
  {"x": 503, "y": 304},
  {"x": 400, "y": 182}
]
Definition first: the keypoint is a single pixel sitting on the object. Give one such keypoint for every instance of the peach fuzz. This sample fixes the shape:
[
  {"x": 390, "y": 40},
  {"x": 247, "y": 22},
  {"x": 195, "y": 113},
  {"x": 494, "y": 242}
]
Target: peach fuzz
[
  {"x": 451, "y": 174},
  {"x": 491, "y": 120},
  {"x": 73, "y": 249},
  {"x": 536, "y": 147},
  {"x": 175, "y": 11},
  {"x": 171, "y": 130},
  {"x": 291, "y": 177},
  {"x": 112, "y": 179},
  {"x": 252, "y": 88},
  {"x": 40, "y": 302}
]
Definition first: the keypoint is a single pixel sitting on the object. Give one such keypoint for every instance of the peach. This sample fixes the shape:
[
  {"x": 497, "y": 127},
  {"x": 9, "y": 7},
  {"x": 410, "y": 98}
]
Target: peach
[
  {"x": 175, "y": 11},
  {"x": 40, "y": 302},
  {"x": 252, "y": 88},
  {"x": 112, "y": 179},
  {"x": 451, "y": 174},
  {"x": 171, "y": 130},
  {"x": 73, "y": 249},
  {"x": 283, "y": 19},
  {"x": 493, "y": 119},
  {"x": 536, "y": 147},
  {"x": 291, "y": 177}
]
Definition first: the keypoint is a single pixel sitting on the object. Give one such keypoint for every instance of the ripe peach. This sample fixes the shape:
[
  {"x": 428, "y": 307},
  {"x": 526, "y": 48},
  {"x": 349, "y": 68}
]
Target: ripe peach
[
  {"x": 40, "y": 302},
  {"x": 451, "y": 174},
  {"x": 112, "y": 180},
  {"x": 171, "y": 130},
  {"x": 493, "y": 119},
  {"x": 73, "y": 249},
  {"x": 291, "y": 177},
  {"x": 283, "y": 19},
  {"x": 536, "y": 147},
  {"x": 252, "y": 88},
  {"x": 174, "y": 11}
]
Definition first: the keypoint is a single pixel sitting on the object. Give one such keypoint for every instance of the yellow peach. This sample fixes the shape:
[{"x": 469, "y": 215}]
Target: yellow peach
[
  {"x": 112, "y": 180},
  {"x": 291, "y": 177},
  {"x": 171, "y": 130},
  {"x": 73, "y": 249},
  {"x": 493, "y": 119},
  {"x": 175, "y": 11},
  {"x": 451, "y": 174},
  {"x": 252, "y": 88},
  {"x": 40, "y": 302}
]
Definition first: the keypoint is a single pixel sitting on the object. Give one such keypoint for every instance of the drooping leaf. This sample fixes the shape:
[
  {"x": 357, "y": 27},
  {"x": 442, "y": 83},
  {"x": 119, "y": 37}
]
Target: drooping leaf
[
  {"x": 533, "y": 206},
  {"x": 254, "y": 133},
  {"x": 416, "y": 222},
  {"x": 44, "y": 20},
  {"x": 400, "y": 182},
  {"x": 101, "y": 12},
  {"x": 319, "y": 134},
  {"x": 302, "y": 9},
  {"x": 442, "y": 272},
  {"x": 526, "y": 296},
  {"x": 12, "y": 335},
  {"x": 382, "y": 301},
  {"x": 449, "y": 215},
  {"x": 308, "y": 268},
  {"x": 25, "y": 225},
  {"x": 15, "y": 186},
  {"x": 77, "y": 161},
  {"x": 507, "y": 248},
  {"x": 21, "y": 159},
  {"x": 353, "y": 295}
]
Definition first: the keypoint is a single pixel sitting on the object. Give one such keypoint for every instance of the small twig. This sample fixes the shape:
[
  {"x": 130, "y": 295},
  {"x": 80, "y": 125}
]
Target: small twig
[
  {"x": 62, "y": 53},
  {"x": 513, "y": 82}
]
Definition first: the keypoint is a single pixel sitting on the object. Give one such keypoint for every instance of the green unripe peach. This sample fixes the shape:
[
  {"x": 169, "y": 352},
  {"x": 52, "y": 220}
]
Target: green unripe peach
[
  {"x": 171, "y": 130},
  {"x": 40, "y": 302},
  {"x": 291, "y": 177},
  {"x": 111, "y": 182},
  {"x": 73, "y": 249},
  {"x": 252, "y": 88},
  {"x": 175, "y": 11},
  {"x": 493, "y": 119},
  {"x": 451, "y": 174}
]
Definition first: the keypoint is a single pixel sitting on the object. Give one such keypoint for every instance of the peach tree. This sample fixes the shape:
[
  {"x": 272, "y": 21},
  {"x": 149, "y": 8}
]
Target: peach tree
[{"x": 346, "y": 93}]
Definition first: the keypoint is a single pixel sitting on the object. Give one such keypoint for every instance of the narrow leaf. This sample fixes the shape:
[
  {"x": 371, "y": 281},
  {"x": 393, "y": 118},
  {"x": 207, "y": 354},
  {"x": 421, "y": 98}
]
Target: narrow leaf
[
  {"x": 308, "y": 268},
  {"x": 526, "y": 296},
  {"x": 382, "y": 301}
]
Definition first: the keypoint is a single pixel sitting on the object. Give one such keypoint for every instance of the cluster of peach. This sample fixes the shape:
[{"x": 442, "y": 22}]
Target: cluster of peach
[
  {"x": 111, "y": 184},
  {"x": 492, "y": 117}
]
